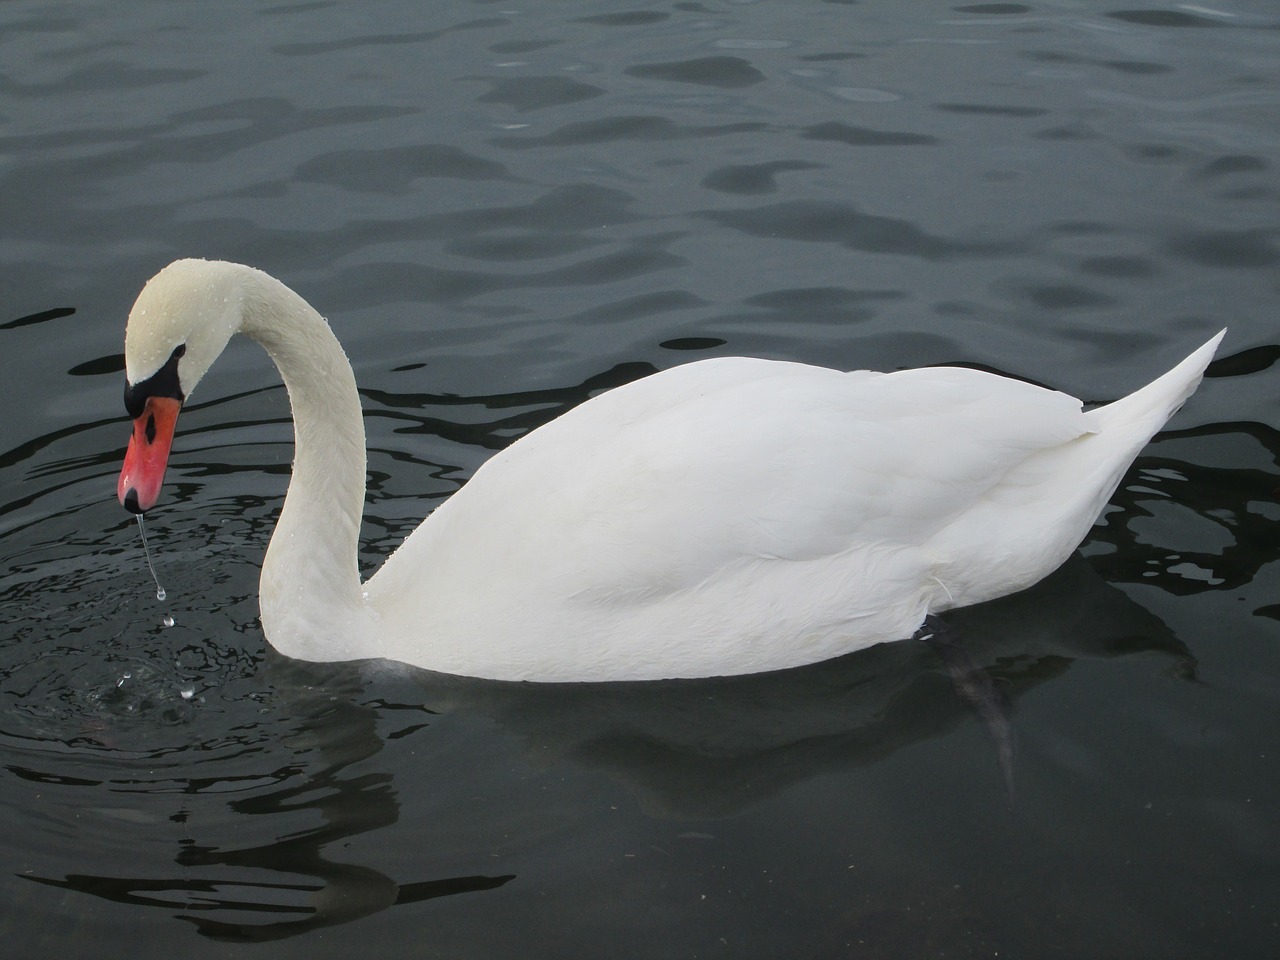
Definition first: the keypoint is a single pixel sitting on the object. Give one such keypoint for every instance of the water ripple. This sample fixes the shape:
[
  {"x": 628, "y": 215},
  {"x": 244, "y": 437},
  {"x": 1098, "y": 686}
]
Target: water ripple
[
  {"x": 845, "y": 225},
  {"x": 727, "y": 73}
]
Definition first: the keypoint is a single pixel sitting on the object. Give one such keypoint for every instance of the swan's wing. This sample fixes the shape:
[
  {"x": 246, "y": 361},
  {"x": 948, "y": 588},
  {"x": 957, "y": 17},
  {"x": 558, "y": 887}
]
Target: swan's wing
[{"x": 657, "y": 486}]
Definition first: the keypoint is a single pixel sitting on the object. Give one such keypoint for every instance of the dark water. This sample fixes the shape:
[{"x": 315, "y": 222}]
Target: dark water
[{"x": 504, "y": 208}]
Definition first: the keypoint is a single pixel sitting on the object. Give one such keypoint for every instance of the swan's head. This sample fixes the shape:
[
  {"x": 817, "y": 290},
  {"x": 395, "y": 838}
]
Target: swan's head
[{"x": 178, "y": 326}]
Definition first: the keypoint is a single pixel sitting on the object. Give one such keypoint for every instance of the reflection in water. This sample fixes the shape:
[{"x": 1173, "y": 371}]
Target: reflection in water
[
  {"x": 694, "y": 749},
  {"x": 348, "y": 893},
  {"x": 1232, "y": 537},
  {"x": 42, "y": 317},
  {"x": 289, "y": 883},
  {"x": 264, "y": 852}
]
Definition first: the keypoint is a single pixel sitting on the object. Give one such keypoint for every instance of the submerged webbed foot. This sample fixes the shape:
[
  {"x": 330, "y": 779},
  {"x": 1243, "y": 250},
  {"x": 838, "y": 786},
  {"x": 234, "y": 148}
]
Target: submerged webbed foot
[{"x": 976, "y": 688}]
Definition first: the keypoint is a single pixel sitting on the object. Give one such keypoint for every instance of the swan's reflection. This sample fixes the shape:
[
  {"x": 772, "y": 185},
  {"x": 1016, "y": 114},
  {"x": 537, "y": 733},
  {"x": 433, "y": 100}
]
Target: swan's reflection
[
  {"x": 348, "y": 803},
  {"x": 707, "y": 748},
  {"x": 686, "y": 749},
  {"x": 285, "y": 883}
]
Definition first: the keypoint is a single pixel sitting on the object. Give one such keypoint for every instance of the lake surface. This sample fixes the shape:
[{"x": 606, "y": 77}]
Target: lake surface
[{"x": 504, "y": 208}]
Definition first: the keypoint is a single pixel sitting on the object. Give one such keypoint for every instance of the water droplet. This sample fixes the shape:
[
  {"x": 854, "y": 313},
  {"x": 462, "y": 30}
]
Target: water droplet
[
  {"x": 146, "y": 551},
  {"x": 168, "y": 620},
  {"x": 187, "y": 692}
]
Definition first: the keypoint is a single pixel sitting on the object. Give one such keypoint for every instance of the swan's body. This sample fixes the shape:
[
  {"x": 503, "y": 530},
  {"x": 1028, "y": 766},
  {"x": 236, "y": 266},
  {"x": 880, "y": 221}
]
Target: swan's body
[{"x": 727, "y": 516}]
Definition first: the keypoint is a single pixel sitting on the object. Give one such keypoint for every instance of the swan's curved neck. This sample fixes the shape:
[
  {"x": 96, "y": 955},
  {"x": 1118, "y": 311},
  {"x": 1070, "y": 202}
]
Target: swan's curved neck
[{"x": 311, "y": 599}]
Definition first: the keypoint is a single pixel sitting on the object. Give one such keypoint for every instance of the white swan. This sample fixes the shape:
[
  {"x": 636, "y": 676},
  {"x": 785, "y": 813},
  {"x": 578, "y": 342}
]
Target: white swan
[{"x": 723, "y": 517}]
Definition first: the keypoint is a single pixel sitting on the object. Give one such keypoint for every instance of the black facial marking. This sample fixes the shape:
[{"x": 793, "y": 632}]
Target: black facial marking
[{"x": 162, "y": 383}]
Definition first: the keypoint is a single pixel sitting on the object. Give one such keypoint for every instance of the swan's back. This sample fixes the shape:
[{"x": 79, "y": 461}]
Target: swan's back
[{"x": 738, "y": 515}]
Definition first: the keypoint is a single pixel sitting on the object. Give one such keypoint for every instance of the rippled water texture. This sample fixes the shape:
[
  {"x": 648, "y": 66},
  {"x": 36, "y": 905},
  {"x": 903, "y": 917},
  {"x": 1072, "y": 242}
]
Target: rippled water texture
[{"x": 504, "y": 208}]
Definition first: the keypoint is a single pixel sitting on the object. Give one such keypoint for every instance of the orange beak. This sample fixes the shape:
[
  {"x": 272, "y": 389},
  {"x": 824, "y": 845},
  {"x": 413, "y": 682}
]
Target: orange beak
[{"x": 148, "y": 454}]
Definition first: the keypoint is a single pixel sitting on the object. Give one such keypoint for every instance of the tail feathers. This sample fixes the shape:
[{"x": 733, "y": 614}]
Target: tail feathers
[{"x": 1146, "y": 410}]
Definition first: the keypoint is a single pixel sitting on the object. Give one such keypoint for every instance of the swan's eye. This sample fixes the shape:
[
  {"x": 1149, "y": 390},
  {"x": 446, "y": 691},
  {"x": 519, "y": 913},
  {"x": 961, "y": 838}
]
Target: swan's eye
[{"x": 162, "y": 383}]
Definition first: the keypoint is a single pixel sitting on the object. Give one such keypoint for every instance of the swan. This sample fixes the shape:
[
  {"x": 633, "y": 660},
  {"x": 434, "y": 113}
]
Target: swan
[{"x": 726, "y": 516}]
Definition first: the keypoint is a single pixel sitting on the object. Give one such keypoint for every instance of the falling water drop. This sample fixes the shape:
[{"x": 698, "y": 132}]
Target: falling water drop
[
  {"x": 146, "y": 551},
  {"x": 168, "y": 620}
]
